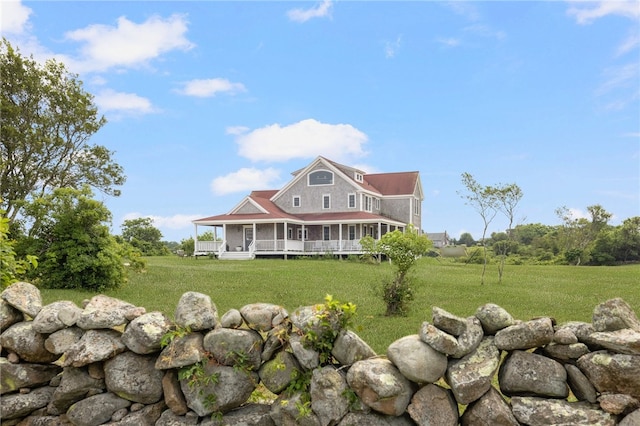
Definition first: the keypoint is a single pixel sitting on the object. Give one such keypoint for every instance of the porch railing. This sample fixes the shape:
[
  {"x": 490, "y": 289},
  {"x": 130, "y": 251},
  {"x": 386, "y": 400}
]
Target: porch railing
[{"x": 277, "y": 246}]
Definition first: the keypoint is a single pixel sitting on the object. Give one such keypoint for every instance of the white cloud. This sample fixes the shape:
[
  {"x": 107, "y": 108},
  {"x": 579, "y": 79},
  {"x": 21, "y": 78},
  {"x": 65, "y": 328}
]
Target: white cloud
[
  {"x": 449, "y": 41},
  {"x": 236, "y": 130},
  {"x": 589, "y": 11},
  {"x": 305, "y": 139},
  {"x": 127, "y": 103},
  {"x": 177, "y": 221},
  {"x": 303, "y": 15},
  {"x": 245, "y": 179},
  {"x": 128, "y": 44},
  {"x": 15, "y": 17},
  {"x": 391, "y": 47},
  {"x": 620, "y": 87},
  {"x": 210, "y": 87},
  {"x": 630, "y": 43},
  {"x": 465, "y": 9}
]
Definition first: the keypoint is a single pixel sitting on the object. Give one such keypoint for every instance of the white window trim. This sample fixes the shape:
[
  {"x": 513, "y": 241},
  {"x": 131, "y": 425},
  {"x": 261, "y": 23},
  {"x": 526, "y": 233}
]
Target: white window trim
[
  {"x": 353, "y": 194},
  {"x": 333, "y": 177},
  {"x": 324, "y": 197},
  {"x": 349, "y": 229},
  {"x": 306, "y": 234},
  {"x": 293, "y": 201},
  {"x": 416, "y": 207},
  {"x": 323, "y": 232},
  {"x": 290, "y": 233}
]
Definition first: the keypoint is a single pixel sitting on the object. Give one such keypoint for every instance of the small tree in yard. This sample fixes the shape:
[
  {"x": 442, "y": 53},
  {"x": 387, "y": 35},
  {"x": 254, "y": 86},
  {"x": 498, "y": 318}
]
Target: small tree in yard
[{"x": 402, "y": 249}]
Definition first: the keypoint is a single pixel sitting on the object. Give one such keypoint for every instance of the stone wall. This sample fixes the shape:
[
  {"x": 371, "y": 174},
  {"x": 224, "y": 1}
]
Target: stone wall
[{"x": 111, "y": 362}]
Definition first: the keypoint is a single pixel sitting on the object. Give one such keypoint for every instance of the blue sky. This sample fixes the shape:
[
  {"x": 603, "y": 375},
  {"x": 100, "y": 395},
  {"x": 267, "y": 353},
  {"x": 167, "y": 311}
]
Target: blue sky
[{"x": 208, "y": 100}]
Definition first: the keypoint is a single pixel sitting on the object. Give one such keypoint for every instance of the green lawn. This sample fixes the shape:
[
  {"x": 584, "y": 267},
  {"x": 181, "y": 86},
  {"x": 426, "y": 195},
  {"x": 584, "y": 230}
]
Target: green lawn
[{"x": 563, "y": 292}]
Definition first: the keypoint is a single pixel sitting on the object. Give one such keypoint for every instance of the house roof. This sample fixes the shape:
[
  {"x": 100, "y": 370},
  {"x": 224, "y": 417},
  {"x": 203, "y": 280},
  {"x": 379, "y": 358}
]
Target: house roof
[{"x": 399, "y": 183}]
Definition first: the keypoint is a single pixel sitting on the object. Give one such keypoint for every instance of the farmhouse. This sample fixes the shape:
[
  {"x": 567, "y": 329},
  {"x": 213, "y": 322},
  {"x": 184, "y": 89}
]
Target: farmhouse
[{"x": 326, "y": 208}]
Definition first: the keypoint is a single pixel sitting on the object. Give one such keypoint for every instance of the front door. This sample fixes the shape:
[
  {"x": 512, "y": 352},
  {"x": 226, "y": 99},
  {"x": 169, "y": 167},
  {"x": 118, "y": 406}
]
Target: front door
[{"x": 248, "y": 237}]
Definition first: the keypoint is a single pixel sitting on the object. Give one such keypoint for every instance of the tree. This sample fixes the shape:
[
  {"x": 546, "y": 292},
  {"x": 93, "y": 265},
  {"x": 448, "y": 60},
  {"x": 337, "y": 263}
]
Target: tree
[
  {"x": 47, "y": 120},
  {"x": 74, "y": 244},
  {"x": 484, "y": 200},
  {"x": 508, "y": 197},
  {"x": 577, "y": 235},
  {"x": 466, "y": 239},
  {"x": 141, "y": 234},
  {"x": 402, "y": 249},
  {"x": 11, "y": 269}
]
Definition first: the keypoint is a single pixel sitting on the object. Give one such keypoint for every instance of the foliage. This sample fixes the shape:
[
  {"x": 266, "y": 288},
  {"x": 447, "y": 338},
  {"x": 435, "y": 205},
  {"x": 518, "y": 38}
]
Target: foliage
[
  {"x": 403, "y": 249},
  {"x": 75, "y": 245},
  {"x": 188, "y": 245},
  {"x": 176, "y": 332},
  {"x": 466, "y": 239},
  {"x": 141, "y": 234},
  {"x": 11, "y": 269},
  {"x": 47, "y": 120},
  {"x": 577, "y": 235}
]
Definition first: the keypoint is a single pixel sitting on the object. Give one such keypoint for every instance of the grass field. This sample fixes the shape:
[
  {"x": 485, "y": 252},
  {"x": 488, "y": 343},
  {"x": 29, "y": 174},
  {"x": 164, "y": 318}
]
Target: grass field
[{"x": 563, "y": 292}]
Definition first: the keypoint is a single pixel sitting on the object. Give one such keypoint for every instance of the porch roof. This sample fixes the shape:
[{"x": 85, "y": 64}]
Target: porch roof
[{"x": 302, "y": 219}]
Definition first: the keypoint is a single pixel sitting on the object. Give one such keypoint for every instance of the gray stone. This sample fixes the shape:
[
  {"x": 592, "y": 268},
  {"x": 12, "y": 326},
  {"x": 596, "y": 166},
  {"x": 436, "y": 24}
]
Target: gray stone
[
  {"x": 315, "y": 320},
  {"x": 247, "y": 415},
  {"x": 623, "y": 341},
  {"x": 565, "y": 352},
  {"x": 28, "y": 344},
  {"x": 447, "y": 322},
  {"x": 196, "y": 311},
  {"x": 615, "y": 373},
  {"x": 147, "y": 416},
  {"x": 18, "y": 405},
  {"x": 23, "y": 296},
  {"x": 614, "y": 314},
  {"x": 583, "y": 331},
  {"x": 527, "y": 335},
  {"x": 94, "y": 346},
  {"x": 96, "y": 409},
  {"x": 526, "y": 374},
  {"x": 23, "y": 375},
  {"x": 328, "y": 400},
  {"x": 62, "y": 340},
  {"x": 375, "y": 419},
  {"x": 230, "y": 389},
  {"x": 181, "y": 351},
  {"x": 617, "y": 403},
  {"x": 581, "y": 387},
  {"x": 49, "y": 319},
  {"x": 471, "y": 376},
  {"x": 144, "y": 334},
  {"x": 278, "y": 372},
  {"x": 470, "y": 338},
  {"x": 75, "y": 385},
  {"x": 493, "y": 318},
  {"x": 390, "y": 396},
  {"x": 433, "y": 405},
  {"x": 233, "y": 347},
  {"x": 632, "y": 419},
  {"x": 438, "y": 339},
  {"x": 8, "y": 315},
  {"x": 416, "y": 360},
  {"x": 490, "y": 410},
  {"x": 289, "y": 410},
  {"x": 168, "y": 418},
  {"x": 263, "y": 316},
  {"x": 534, "y": 411},
  {"x": 308, "y": 358},
  {"x": 134, "y": 377},
  {"x": 173, "y": 396},
  {"x": 231, "y": 319},
  {"x": 564, "y": 336},
  {"x": 349, "y": 348},
  {"x": 105, "y": 312},
  {"x": 274, "y": 341}
]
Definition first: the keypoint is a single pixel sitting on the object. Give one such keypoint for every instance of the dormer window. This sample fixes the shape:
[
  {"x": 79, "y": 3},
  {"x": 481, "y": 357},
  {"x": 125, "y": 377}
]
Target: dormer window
[
  {"x": 358, "y": 177},
  {"x": 320, "y": 177}
]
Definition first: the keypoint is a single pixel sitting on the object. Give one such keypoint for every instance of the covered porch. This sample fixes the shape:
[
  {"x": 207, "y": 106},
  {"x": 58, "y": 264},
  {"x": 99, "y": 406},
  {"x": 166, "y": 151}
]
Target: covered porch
[{"x": 255, "y": 238}]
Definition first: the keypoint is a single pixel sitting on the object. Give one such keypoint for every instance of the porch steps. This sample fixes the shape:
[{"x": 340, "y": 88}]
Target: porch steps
[{"x": 237, "y": 255}]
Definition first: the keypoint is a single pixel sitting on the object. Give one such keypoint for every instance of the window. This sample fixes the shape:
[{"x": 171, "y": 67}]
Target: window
[
  {"x": 326, "y": 201},
  {"x": 290, "y": 233},
  {"x": 326, "y": 232},
  {"x": 320, "y": 177},
  {"x": 376, "y": 202},
  {"x": 296, "y": 201},
  {"x": 367, "y": 203},
  {"x": 416, "y": 206},
  {"x": 352, "y": 232},
  {"x": 358, "y": 177},
  {"x": 306, "y": 236},
  {"x": 351, "y": 203}
]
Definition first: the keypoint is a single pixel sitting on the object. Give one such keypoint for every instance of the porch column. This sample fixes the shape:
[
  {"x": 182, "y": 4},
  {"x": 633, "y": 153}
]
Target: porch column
[
  {"x": 195, "y": 239},
  {"x": 254, "y": 236},
  {"x": 275, "y": 236},
  {"x": 340, "y": 237},
  {"x": 379, "y": 230},
  {"x": 224, "y": 241},
  {"x": 303, "y": 237},
  {"x": 286, "y": 234}
]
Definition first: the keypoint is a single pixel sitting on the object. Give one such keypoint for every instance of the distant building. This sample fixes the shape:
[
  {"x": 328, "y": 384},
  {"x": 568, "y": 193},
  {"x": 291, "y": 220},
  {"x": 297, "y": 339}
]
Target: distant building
[{"x": 439, "y": 239}]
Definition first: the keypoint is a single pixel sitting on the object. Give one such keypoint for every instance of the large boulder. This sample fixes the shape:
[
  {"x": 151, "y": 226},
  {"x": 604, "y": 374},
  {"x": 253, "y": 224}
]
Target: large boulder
[
  {"x": 534, "y": 411},
  {"x": 433, "y": 405},
  {"x": 144, "y": 334},
  {"x": 107, "y": 312},
  {"x": 94, "y": 346},
  {"x": 328, "y": 400},
  {"x": 614, "y": 314},
  {"x": 27, "y": 343},
  {"x": 234, "y": 347},
  {"x": 416, "y": 360},
  {"x": 471, "y": 376},
  {"x": 75, "y": 385},
  {"x": 528, "y": 374},
  {"x": 13, "y": 377},
  {"x": 614, "y": 373},
  {"x": 23, "y": 296},
  {"x": 526, "y": 335},
  {"x": 134, "y": 377},
  {"x": 195, "y": 311},
  {"x": 96, "y": 409}
]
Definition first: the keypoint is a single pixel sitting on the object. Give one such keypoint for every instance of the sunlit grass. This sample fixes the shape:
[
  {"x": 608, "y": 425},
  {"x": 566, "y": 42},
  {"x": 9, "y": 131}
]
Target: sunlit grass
[{"x": 563, "y": 292}]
